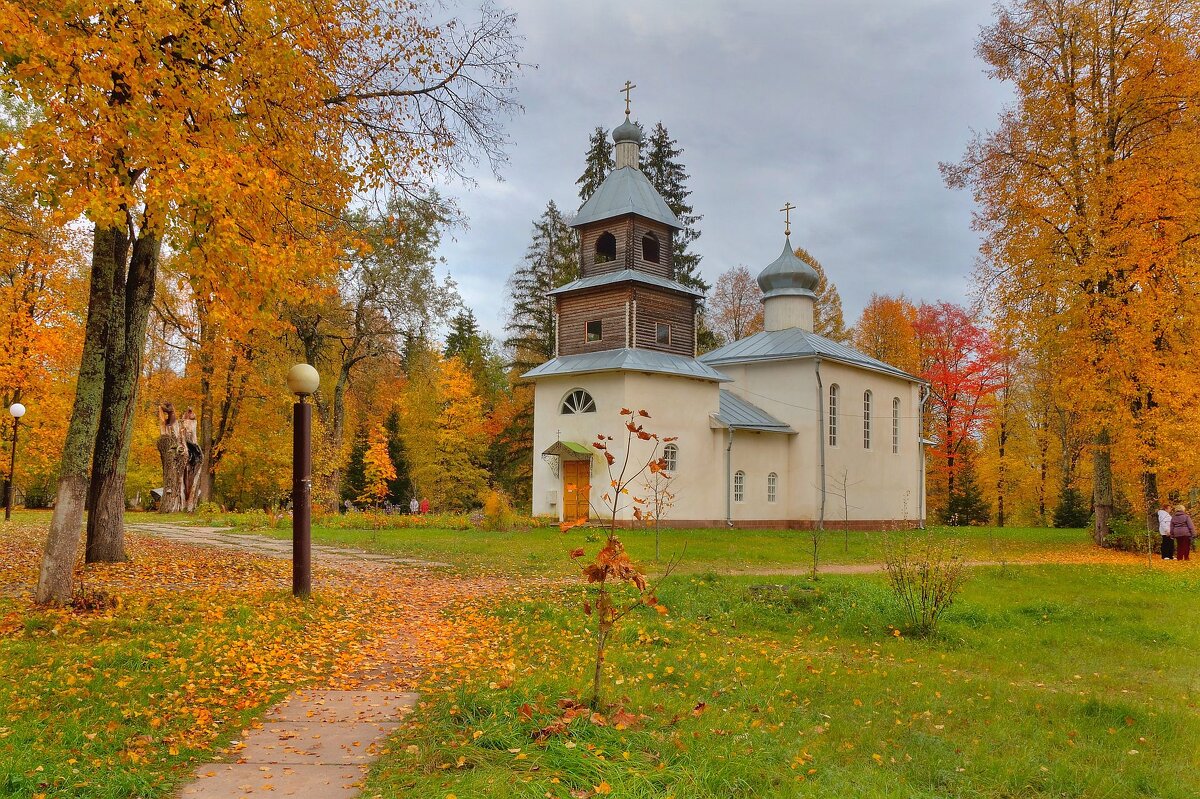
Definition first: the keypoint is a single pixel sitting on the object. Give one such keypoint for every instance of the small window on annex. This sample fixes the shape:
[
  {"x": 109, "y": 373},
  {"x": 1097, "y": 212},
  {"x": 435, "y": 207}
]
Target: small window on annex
[
  {"x": 662, "y": 334},
  {"x": 578, "y": 401},
  {"x": 606, "y": 248},
  {"x": 895, "y": 425},
  {"x": 670, "y": 457},
  {"x": 866, "y": 420},
  {"x": 595, "y": 330},
  {"x": 739, "y": 486},
  {"x": 833, "y": 413},
  {"x": 649, "y": 248},
  {"x": 772, "y": 482}
]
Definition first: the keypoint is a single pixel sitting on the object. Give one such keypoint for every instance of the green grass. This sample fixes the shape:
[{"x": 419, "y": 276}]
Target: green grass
[{"x": 1043, "y": 681}]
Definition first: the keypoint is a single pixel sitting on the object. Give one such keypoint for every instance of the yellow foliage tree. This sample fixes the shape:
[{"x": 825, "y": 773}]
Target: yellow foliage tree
[{"x": 378, "y": 467}]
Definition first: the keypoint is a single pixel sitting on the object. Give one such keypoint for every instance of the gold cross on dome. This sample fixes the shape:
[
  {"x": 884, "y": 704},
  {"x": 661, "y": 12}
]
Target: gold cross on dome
[
  {"x": 628, "y": 88},
  {"x": 787, "y": 218}
]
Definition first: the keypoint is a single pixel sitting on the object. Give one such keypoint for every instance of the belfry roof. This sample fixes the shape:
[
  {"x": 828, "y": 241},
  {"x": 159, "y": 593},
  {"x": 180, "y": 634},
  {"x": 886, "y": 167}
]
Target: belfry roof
[
  {"x": 622, "y": 276},
  {"x": 626, "y": 191},
  {"x": 629, "y": 360},
  {"x": 796, "y": 342}
]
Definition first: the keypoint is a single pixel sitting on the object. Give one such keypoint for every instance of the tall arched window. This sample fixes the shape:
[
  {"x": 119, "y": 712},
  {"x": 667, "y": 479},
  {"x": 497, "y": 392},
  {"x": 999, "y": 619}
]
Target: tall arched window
[
  {"x": 866, "y": 420},
  {"x": 671, "y": 457},
  {"x": 739, "y": 486},
  {"x": 606, "y": 248},
  {"x": 895, "y": 425},
  {"x": 650, "y": 248},
  {"x": 578, "y": 401},
  {"x": 833, "y": 412},
  {"x": 772, "y": 482}
]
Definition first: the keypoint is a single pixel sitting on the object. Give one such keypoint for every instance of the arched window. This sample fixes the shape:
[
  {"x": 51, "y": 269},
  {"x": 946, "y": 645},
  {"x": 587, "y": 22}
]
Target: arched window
[
  {"x": 649, "y": 248},
  {"x": 895, "y": 425},
  {"x": 578, "y": 401},
  {"x": 833, "y": 412},
  {"x": 739, "y": 486},
  {"x": 866, "y": 420},
  {"x": 671, "y": 457},
  {"x": 606, "y": 248},
  {"x": 772, "y": 482}
]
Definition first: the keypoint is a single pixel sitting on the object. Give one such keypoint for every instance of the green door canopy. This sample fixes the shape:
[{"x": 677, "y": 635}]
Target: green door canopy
[{"x": 570, "y": 451}]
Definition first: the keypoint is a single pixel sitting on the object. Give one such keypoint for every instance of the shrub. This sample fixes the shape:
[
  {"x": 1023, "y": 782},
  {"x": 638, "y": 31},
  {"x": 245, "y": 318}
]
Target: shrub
[
  {"x": 1127, "y": 534},
  {"x": 925, "y": 571},
  {"x": 497, "y": 511},
  {"x": 208, "y": 512}
]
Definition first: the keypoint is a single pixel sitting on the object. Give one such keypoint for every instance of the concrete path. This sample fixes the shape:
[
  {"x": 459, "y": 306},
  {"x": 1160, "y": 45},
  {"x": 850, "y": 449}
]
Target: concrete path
[{"x": 316, "y": 743}]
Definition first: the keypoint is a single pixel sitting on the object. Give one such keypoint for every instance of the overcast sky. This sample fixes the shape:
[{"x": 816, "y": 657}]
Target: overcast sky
[{"x": 843, "y": 108}]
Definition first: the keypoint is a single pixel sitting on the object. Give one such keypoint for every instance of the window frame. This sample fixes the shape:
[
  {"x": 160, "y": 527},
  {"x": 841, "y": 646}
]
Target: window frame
[
  {"x": 671, "y": 457},
  {"x": 772, "y": 486},
  {"x": 577, "y": 400},
  {"x": 587, "y": 331},
  {"x": 657, "y": 248},
  {"x": 895, "y": 425},
  {"x": 739, "y": 486},
  {"x": 832, "y": 408},
  {"x": 658, "y": 329},
  {"x": 867, "y": 400}
]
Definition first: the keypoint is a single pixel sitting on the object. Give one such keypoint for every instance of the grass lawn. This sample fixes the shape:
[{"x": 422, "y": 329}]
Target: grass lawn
[{"x": 1049, "y": 680}]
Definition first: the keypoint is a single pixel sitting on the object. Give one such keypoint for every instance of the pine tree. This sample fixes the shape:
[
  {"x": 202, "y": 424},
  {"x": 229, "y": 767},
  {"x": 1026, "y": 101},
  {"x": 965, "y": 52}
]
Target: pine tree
[
  {"x": 667, "y": 174},
  {"x": 599, "y": 162},
  {"x": 551, "y": 260},
  {"x": 827, "y": 311}
]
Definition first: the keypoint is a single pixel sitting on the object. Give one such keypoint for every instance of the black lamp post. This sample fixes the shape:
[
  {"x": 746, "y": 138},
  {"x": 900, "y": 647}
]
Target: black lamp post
[
  {"x": 17, "y": 410},
  {"x": 303, "y": 380}
]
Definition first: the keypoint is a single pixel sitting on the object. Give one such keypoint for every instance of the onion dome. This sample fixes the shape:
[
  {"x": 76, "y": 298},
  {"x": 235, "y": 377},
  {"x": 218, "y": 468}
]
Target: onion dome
[
  {"x": 788, "y": 275},
  {"x": 627, "y": 131}
]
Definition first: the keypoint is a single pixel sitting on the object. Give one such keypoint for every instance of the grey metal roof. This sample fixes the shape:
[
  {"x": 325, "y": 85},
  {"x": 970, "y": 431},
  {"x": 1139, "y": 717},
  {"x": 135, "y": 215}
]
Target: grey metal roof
[
  {"x": 623, "y": 275},
  {"x": 796, "y": 343},
  {"x": 788, "y": 275},
  {"x": 626, "y": 191},
  {"x": 741, "y": 415},
  {"x": 627, "y": 359}
]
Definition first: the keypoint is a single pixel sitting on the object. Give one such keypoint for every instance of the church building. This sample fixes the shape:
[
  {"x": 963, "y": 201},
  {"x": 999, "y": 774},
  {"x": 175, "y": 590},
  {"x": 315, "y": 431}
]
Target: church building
[{"x": 782, "y": 429}]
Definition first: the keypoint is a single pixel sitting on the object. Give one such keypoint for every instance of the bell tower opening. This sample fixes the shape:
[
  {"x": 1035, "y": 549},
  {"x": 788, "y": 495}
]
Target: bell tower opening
[{"x": 606, "y": 248}]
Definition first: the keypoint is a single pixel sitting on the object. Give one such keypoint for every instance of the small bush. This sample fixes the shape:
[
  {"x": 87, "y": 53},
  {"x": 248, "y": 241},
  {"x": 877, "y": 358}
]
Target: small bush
[
  {"x": 1129, "y": 535},
  {"x": 1072, "y": 510},
  {"x": 925, "y": 571},
  {"x": 208, "y": 512},
  {"x": 497, "y": 511}
]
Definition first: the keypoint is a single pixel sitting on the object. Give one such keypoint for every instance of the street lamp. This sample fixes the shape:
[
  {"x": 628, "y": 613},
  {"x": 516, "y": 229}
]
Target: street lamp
[
  {"x": 17, "y": 410},
  {"x": 303, "y": 380}
]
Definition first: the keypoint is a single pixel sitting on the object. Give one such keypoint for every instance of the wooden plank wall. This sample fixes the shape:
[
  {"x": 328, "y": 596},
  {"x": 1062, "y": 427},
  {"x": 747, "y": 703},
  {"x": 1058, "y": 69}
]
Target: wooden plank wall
[
  {"x": 677, "y": 310},
  {"x": 628, "y": 231},
  {"x": 576, "y": 310}
]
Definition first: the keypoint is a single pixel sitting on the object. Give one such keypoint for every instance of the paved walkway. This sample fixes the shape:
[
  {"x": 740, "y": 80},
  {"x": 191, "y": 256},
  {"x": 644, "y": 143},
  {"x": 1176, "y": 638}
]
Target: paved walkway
[{"x": 316, "y": 743}]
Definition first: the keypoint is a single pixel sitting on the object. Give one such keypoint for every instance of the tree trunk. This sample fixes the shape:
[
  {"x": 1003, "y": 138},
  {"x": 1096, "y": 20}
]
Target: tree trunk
[
  {"x": 174, "y": 462},
  {"x": 1150, "y": 500},
  {"x": 110, "y": 247},
  {"x": 123, "y": 366},
  {"x": 1102, "y": 485}
]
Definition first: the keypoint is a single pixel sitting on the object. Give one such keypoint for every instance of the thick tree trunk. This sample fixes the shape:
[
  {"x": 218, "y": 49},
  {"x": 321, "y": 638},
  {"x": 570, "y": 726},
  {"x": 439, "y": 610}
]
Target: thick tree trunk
[
  {"x": 110, "y": 247},
  {"x": 173, "y": 453},
  {"x": 123, "y": 366},
  {"x": 1102, "y": 485}
]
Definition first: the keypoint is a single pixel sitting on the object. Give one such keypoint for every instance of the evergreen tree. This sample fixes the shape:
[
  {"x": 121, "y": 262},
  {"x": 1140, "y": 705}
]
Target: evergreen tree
[
  {"x": 827, "y": 311},
  {"x": 400, "y": 489},
  {"x": 666, "y": 173},
  {"x": 599, "y": 162},
  {"x": 465, "y": 341},
  {"x": 354, "y": 481},
  {"x": 551, "y": 260},
  {"x": 967, "y": 505},
  {"x": 1072, "y": 510}
]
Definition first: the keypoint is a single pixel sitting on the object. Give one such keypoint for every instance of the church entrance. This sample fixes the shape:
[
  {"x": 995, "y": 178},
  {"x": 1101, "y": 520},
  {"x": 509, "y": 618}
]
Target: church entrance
[{"x": 577, "y": 489}]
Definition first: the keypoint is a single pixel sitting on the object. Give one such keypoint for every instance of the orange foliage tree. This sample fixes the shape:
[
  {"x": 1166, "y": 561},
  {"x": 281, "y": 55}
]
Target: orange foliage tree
[{"x": 886, "y": 332}]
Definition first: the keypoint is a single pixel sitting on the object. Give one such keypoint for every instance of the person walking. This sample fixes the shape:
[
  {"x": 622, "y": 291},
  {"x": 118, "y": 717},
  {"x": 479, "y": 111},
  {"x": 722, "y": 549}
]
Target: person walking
[
  {"x": 1183, "y": 531},
  {"x": 1164, "y": 529},
  {"x": 414, "y": 506},
  {"x": 424, "y": 506}
]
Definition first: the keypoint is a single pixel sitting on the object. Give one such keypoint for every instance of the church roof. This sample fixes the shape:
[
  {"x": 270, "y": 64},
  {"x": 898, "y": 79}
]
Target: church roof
[
  {"x": 623, "y": 275},
  {"x": 741, "y": 415},
  {"x": 788, "y": 275},
  {"x": 629, "y": 360},
  {"x": 796, "y": 342},
  {"x": 626, "y": 191}
]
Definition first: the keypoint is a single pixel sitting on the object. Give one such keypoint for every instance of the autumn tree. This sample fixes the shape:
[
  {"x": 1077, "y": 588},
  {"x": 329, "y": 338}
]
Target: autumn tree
[
  {"x": 827, "y": 308},
  {"x": 886, "y": 332},
  {"x": 378, "y": 470},
  {"x": 735, "y": 308},
  {"x": 1087, "y": 205},
  {"x": 251, "y": 130}
]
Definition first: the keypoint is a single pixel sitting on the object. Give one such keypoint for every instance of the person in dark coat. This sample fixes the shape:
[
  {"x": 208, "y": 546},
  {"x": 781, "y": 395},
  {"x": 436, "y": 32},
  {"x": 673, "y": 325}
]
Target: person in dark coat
[{"x": 1183, "y": 531}]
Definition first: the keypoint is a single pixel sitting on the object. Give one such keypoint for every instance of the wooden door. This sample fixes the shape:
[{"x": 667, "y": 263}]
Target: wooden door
[{"x": 576, "y": 490}]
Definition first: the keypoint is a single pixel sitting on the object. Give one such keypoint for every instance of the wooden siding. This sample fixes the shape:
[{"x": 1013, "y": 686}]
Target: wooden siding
[
  {"x": 664, "y": 267},
  {"x": 677, "y": 310},
  {"x": 628, "y": 230},
  {"x": 575, "y": 310}
]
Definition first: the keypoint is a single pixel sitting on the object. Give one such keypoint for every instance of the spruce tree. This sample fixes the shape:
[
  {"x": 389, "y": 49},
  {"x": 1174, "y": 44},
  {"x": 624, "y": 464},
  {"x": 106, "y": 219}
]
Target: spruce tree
[
  {"x": 465, "y": 341},
  {"x": 666, "y": 173},
  {"x": 827, "y": 310},
  {"x": 551, "y": 260},
  {"x": 400, "y": 490},
  {"x": 599, "y": 162}
]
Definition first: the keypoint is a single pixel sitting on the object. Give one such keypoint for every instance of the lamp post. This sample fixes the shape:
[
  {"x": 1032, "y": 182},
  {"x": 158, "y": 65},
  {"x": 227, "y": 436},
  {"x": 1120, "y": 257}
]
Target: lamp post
[
  {"x": 17, "y": 410},
  {"x": 303, "y": 380}
]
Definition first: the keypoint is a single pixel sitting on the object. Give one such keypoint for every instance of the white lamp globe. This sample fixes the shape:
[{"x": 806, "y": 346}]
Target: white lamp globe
[
  {"x": 17, "y": 410},
  {"x": 303, "y": 380}
]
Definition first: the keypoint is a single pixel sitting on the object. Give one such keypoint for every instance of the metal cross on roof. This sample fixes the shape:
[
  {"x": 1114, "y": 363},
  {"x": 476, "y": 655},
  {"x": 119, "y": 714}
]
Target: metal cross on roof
[
  {"x": 787, "y": 218},
  {"x": 628, "y": 88}
]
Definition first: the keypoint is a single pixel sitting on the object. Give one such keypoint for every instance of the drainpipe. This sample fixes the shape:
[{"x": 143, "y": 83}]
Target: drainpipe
[
  {"x": 924, "y": 394},
  {"x": 729, "y": 480},
  {"x": 821, "y": 438}
]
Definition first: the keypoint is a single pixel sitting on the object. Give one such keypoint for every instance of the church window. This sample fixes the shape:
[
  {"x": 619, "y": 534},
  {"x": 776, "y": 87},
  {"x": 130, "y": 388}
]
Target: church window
[
  {"x": 833, "y": 413},
  {"x": 578, "y": 401},
  {"x": 606, "y": 248},
  {"x": 650, "y": 248},
  {"x": 670, "y": 457},
  {"x": 866, "y": 420},
  {"x": 663, "y": 334},
  {"x": 595, "y": 330},
  {"x": 739, "y": 486},
  {"x": 772, "y": 481},
  {"x": 895, "y": 425}
]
